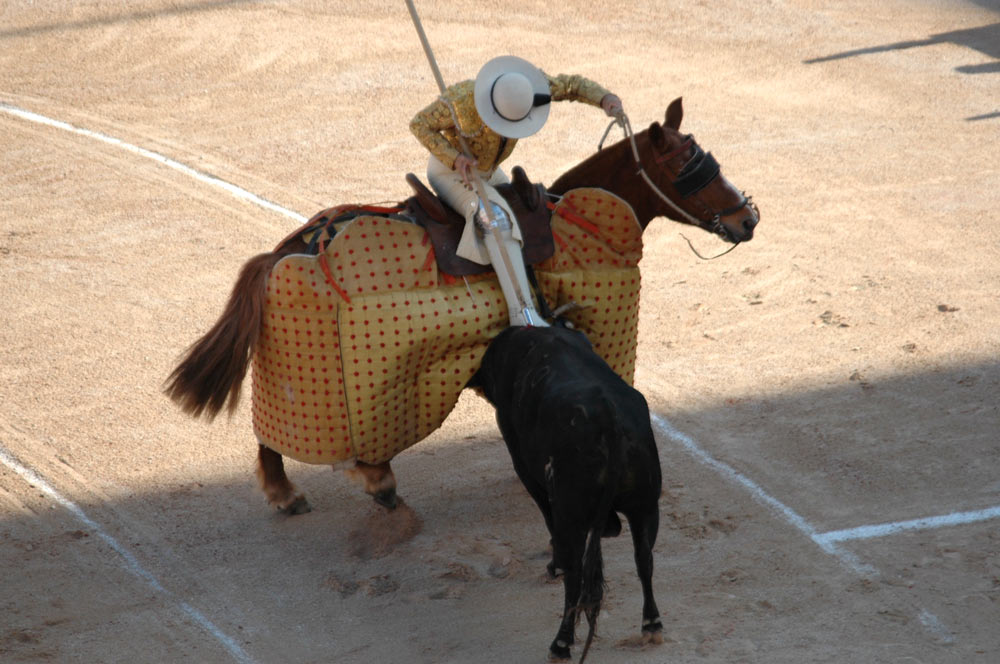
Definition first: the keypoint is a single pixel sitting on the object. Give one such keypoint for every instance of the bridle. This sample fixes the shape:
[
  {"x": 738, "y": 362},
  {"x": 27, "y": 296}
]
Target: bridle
[{"x": 696, "y": 174}]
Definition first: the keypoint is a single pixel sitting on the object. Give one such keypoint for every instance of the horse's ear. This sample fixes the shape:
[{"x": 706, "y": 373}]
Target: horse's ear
[
  {"x": 675, "y": 113},
  {"x": 657, "y": 137}
]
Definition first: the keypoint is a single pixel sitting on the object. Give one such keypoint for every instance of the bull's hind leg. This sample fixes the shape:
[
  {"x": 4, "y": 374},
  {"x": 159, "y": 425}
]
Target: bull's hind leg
[
  {"x": 559, "y": 649},
  {"x": 279, "y": 490},
  {"x": 378, "y": 481},
  {"x": 644, "y": 528}
]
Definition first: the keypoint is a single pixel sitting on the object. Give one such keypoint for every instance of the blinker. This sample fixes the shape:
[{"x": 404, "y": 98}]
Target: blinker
[{"x": 697, "y": 173}]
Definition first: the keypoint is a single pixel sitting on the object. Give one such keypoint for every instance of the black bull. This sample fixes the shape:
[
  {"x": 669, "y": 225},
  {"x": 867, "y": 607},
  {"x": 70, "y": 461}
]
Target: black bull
[{"x": 581, "y": 442}]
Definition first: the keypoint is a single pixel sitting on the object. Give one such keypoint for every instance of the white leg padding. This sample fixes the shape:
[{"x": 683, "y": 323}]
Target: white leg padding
[{"x": 482, "y": 247}]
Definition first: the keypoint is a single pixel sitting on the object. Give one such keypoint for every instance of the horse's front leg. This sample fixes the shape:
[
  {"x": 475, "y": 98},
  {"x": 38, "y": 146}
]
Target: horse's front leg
[
  {"x": 279, "y": 490},
  {"x": 378, "y": 481}
]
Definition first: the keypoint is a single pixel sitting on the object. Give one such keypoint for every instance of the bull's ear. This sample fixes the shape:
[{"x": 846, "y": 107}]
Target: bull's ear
[{"x": 675, "y": 113}]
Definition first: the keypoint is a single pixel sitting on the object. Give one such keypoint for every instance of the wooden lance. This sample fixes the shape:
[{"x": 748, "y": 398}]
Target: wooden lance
[{"x": 476, "y": 180}]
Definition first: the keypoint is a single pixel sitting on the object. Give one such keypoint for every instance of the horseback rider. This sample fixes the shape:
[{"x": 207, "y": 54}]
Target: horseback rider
[{"x": 509, "y": 100}]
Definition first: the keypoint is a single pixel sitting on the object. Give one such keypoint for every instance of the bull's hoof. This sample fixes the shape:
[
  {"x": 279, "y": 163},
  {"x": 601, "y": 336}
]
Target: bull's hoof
[
  {"x": 559, "y": 652},
  {"x": 298, "y": 506},
  {"x": 554, "y": 572},
  {"x": 386, "y": 498}
]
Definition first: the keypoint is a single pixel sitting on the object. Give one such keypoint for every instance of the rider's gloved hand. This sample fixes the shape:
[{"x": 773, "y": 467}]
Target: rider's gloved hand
[
  {"x": 612, "y": 105},
  {"x": 464, "y": 166}
]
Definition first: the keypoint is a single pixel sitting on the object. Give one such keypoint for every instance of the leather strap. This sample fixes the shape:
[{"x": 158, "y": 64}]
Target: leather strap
[{"x": 697, "y": 173}]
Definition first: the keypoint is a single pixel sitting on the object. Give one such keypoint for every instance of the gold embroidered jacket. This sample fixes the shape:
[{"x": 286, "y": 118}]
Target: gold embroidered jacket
[{"x": 435, "y": 126}]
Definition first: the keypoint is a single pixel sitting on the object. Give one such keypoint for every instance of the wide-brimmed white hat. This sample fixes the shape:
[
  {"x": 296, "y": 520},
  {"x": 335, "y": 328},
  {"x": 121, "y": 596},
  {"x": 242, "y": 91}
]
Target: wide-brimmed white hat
[{"x": 512, "y": 96}]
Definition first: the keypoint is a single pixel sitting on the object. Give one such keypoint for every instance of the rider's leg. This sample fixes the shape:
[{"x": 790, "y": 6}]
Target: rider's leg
[
  {"x": 478, "y": 243},
  {"x": 510, "y": 268}
]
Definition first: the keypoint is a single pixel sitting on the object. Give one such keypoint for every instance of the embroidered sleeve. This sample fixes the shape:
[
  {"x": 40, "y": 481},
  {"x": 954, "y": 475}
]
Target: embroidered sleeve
[
  {"x": 427, "y": 126},
  {"x": 571, "y": 87}
]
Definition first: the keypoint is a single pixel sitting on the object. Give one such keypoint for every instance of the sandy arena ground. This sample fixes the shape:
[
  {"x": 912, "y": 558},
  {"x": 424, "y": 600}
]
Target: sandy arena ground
[{"x": 839, "y": 371}]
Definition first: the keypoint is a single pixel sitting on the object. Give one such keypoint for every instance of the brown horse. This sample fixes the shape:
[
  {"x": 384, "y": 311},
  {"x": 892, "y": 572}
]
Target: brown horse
[{"x": 660, "y": 172}]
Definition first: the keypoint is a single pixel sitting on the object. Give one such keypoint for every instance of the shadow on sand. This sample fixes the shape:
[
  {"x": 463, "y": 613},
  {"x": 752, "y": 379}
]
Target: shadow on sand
[
  {"x": 86, "y": 24},
  {"x": 985, "y": 39},
  {"x": 863, "y": 449}
]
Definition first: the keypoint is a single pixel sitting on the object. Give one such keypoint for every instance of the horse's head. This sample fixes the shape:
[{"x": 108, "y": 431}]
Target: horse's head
[{"x": 690, "y": 178}]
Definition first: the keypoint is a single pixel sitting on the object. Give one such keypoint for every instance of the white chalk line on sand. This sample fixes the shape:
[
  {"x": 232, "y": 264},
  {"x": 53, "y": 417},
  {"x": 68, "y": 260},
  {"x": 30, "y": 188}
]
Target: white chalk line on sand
[
  {"x": 825, "y": 541},
  {"x": 786, "y": 512},
  {"x": 129, "y": 561},
  {"x": 926, "y": 523},
  {"x": 235, "y": 190}
]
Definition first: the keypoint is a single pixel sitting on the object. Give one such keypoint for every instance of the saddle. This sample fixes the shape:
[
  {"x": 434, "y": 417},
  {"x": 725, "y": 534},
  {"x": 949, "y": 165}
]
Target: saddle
[{"x": 444, "y": 225}]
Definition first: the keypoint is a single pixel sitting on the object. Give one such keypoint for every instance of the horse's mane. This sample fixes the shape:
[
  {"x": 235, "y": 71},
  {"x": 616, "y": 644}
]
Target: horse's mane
[{"x": 597, "y": 169}]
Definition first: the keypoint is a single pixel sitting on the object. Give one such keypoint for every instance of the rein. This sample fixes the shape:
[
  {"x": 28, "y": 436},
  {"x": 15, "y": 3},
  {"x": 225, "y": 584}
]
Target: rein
[
  {"x": 716, "y": 224},
  {"x": 623, "y": 121},
  {"x": 708, "y": 258}
]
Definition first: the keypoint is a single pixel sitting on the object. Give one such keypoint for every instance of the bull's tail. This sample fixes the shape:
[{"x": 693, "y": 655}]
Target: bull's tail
[
  {"x": 592, "y": 581},
  {"x": 212, "y": 370},
  {"x": 592, "y": 591}
]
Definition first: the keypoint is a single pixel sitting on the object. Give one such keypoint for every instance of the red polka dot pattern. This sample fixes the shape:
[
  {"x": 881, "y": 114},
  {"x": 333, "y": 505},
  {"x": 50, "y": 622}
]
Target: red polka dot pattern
[
  {"x": 596, "y": 265},
  {"x": 367, "y": 375}
]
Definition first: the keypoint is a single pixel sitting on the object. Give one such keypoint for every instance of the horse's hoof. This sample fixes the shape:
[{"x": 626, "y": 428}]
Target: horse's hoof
[
  {"x": 386, "y": 498},
  {"x": 298, "y": 506},
  {"x": 652, "y": 632}
]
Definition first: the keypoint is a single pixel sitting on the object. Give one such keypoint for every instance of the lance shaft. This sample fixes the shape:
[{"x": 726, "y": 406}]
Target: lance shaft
[
  {"x": 477, "y": 181},
  {"x": 426, "y": 44}
]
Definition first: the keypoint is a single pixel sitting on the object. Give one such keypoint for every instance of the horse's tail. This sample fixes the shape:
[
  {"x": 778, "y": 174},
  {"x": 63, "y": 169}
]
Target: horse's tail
[{"x": 212, "y": 370}]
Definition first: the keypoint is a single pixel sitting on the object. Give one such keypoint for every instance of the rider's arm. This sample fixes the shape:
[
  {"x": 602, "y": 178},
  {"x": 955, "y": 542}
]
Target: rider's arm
[
  {"x": 427, "y": 126},
  {"x": 571, "y": 87}
]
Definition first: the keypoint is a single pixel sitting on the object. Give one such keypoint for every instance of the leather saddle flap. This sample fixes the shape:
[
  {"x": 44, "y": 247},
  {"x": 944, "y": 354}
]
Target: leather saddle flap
[{"x": 445, "y": 226}]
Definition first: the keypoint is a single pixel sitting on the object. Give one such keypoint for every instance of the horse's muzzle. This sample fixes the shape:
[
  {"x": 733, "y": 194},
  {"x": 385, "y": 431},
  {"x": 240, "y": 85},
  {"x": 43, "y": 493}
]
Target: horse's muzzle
[{"x": 739, "y": 226}]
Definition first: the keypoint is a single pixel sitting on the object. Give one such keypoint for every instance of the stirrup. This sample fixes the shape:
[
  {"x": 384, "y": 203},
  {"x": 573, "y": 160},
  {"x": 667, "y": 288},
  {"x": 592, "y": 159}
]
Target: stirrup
[{"x": 500, "y": 220}]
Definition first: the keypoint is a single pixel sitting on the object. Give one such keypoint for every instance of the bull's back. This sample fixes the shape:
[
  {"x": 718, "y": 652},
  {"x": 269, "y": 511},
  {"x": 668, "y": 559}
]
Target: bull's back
[{"x": 561, "y": 398}]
